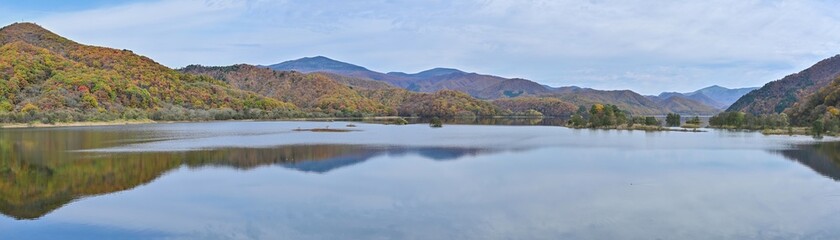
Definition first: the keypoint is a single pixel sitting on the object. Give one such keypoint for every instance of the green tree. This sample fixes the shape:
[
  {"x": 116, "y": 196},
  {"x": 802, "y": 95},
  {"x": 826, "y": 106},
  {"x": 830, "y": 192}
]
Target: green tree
[
  {"x": 577, "y": 121},
  {"x": 694, "y": 121},
  {"x": 436, "y": 122},
  {"x": 817, "y": 128},
  {"x": 673, "y": 120},
  {"x": 651, "y": 121}
]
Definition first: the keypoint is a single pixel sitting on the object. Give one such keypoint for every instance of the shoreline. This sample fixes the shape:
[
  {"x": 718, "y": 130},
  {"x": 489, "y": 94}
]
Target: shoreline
[
  {"x": 75, "y": 124},
  {"x": 149, "y": 121},
  {"x": 797, "y": 131}
]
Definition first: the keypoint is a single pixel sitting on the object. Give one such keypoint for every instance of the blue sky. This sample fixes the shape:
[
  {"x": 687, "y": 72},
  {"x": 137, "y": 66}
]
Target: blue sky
[{"x": 645, "y": 46}]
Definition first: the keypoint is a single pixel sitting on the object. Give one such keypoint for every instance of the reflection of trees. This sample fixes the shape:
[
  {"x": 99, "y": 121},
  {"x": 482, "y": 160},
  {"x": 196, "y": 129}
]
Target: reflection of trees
[
  {"x": 39, "y": 174},
  {"x": 823, "y": 158}
]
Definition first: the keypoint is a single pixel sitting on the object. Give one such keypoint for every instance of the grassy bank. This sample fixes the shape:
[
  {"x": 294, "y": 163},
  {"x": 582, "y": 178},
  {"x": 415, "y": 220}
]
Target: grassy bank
[
  {"x": 641, "y": 127},
  {"x": 74, "y": 124},
  {"x": 37, "y": 124},
  {"x": 790, "y": 131}
]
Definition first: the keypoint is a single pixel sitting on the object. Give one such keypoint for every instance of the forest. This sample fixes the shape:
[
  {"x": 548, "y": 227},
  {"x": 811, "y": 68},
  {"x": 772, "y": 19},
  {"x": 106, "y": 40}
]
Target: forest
[
  {"x": 51, "y": 79},
  {"x": 606, "y": 116}
]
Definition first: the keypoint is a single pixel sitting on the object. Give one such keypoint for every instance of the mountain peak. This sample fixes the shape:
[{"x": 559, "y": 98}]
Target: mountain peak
[
  {"x": 438, "y": 72},
  {"x": 318, "y": 58},
  {"x": 23, "y": 26},
  {"x": 33, "y": 34},
  {"x": 713, "y": 87},
  {"x": 317, "y": 64}
]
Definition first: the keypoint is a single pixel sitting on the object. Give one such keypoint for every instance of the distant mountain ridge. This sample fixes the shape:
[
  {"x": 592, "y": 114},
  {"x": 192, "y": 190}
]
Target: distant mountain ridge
[
  {"x": 723, "y": 95},
  {"x": 317, "y": 64},
  {"x": 491, "y": 87},
  {"x": 338, "y": 95},
  {"x": 715, "y": 96},
  {"x": 432, "y": 80}
]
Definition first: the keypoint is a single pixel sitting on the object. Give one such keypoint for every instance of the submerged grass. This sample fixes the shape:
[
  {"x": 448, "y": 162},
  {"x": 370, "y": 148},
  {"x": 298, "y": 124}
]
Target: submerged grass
[{"x": 331, "y": 130}]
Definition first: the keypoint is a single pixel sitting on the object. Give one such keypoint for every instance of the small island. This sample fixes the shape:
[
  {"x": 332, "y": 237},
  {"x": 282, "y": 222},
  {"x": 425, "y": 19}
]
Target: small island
[{"x": 607, "y": 116}]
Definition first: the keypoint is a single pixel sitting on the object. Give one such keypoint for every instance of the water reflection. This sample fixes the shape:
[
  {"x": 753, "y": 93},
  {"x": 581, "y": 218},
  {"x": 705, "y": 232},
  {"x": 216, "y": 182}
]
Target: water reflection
[
  {"x": 823, "y": 158},
  {"x": 40, "y": 183},
  {"x": 548, "y": 121},
  {"x": 260, "y": 180}
]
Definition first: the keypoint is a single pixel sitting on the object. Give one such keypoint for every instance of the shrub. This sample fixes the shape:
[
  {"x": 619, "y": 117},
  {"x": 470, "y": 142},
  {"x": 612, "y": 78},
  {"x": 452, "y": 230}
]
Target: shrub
[{"x": 436, "y": 123}]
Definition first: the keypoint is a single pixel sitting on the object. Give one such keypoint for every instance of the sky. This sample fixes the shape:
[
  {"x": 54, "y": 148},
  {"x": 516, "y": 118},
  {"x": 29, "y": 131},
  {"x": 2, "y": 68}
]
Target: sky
[{"x": 645, "y": 46}]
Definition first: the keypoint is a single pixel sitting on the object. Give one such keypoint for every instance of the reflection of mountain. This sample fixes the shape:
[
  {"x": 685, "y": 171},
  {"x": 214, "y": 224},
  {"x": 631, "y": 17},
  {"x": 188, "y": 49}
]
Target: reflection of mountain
[
  {"x": 36, "y": 182},
  {"x": 823, "y": 158},
  {"x": 351, "y": 158}
]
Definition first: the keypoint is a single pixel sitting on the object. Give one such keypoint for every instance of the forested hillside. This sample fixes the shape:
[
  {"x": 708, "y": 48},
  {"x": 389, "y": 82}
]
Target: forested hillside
[
  {"x": 822, "y": 106},
  {"x": 444, "y": 103},
  {"x": 44, "y": 76},
  {"x": 547, "y": 106},
  {"x": 345, "y": 96},
  {"x": 489, "y": 87},
  {"x": 776, "y": 96},
  {"x": 316, "y": 92}
]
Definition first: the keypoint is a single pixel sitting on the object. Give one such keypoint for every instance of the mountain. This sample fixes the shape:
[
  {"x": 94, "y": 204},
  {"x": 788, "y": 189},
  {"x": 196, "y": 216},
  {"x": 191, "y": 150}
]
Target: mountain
[
  {"x": 633, "y": 102},
  {"x": 327, "y": 65},
  {"x": 308, "y": 91},
  {"x": 511, "y": 88},
  {"x": 46, "y": 76},
  {"x": 443, "y": 103},
  {"x": 318, "y": 64},
  {"x": 725, "y": 96},
  {"x": 683, "y": 105},
  {"x": 823, "y": 105},
  {"x": 696, "y": 97},
  {"x": 714, "y": 96},
  {"x": 491, "y": 87},
  {"x": 708, "y": 101},
  {"x": 334, "y": 94},
  {"x": 623, "y": 99},
  {"x": 776, "y": 96},
  {"x": 434, "y": 72},
  {"x": 358, "y": 83},
  {"x": 477, "y": 85},
  {"x": 548, "y": 106}
]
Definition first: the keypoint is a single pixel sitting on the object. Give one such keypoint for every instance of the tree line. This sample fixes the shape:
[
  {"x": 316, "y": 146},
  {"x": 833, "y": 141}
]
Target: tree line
[{"x": 608, "y": 116}]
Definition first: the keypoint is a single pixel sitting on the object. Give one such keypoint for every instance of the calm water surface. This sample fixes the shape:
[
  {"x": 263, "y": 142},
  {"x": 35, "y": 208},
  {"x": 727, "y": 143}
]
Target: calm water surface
[{"x": 263, "y": 180}]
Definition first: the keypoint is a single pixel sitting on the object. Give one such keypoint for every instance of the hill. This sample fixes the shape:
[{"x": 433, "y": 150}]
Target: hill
[
  {"x": 725, "y": 96},
  {"x": 44, "y": 76},
  {"x": 776, "y": 96},
  {"x": 714, "y": 96},
  {"x": 511, "y": 88},
  {"x": 358, "y": 83},
  {"x": 823, "y": 105},
  {"x": 624, "y": 99},
  {"x": 633, "y": 102},
  {"x": 317, "y": 92},
  {"x": 318, "y": 64},
  {"x": 336, "y": 95},
  {"x": 432, "y": 80},
  {"x": 443, "y": 103},
  {"x": 326, "y": 65},
  {"x": 491, "y": 87},
  {"x": 686, "y": 106},
  {"x": 548, "y": 106}
]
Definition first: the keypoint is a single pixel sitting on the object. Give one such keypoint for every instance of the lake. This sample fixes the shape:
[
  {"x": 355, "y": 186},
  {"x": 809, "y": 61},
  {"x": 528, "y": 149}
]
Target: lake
[{"x": 267, "y": 180}]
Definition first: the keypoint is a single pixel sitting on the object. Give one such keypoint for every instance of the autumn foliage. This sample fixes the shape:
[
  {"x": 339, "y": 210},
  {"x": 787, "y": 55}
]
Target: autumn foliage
[{"x": 54, "y": 74}]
